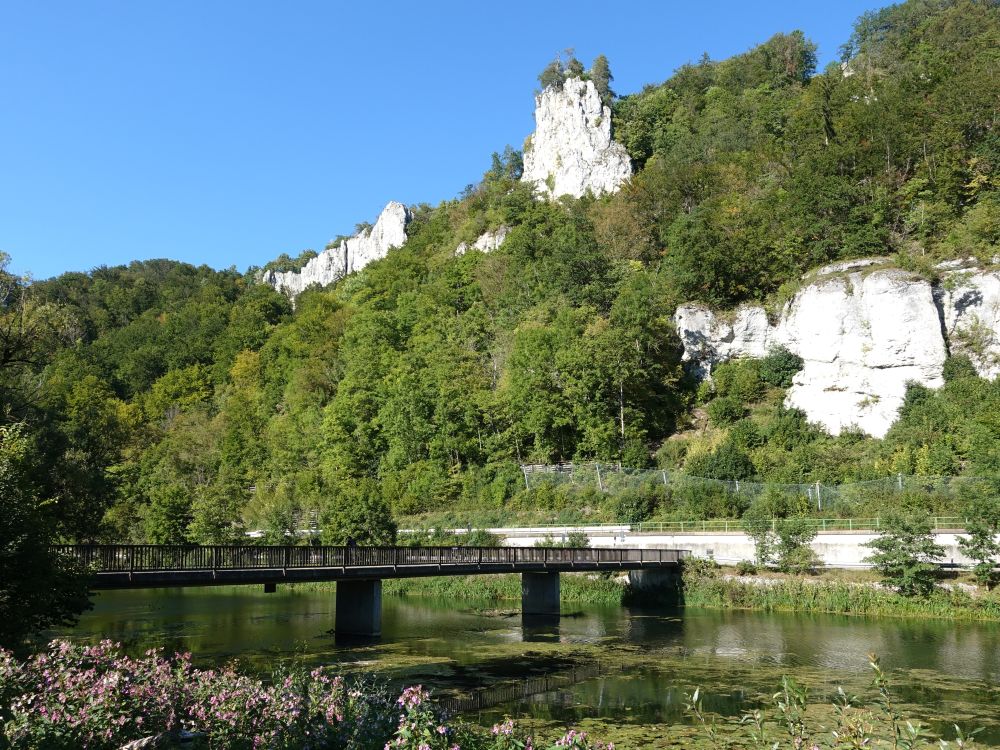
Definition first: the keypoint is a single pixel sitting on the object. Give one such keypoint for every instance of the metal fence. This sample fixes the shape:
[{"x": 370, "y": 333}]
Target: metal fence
[{"x": 614, "y": 478}]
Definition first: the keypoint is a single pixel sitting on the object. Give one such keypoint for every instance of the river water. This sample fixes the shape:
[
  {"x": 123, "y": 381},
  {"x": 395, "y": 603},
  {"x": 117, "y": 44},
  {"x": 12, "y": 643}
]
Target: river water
[{"x": 619, "y": 672}]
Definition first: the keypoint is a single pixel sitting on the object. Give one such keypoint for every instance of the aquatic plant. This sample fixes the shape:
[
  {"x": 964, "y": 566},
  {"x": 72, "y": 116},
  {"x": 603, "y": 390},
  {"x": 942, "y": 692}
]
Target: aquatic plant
[{"x": 790, "y": 723}]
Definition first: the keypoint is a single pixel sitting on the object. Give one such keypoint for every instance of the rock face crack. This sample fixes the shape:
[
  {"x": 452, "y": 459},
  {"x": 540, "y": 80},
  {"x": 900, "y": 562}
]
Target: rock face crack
[{"x": 867, "y": 335}]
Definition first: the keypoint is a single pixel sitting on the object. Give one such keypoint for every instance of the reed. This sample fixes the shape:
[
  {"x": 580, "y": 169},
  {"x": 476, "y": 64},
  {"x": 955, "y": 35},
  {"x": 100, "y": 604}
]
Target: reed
[
  {"x": 575, "y": 588},
  {"x": 834, "y": 597}
]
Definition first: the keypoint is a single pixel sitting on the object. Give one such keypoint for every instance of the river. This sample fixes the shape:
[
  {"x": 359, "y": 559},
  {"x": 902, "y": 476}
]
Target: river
[{"x": 619, "y": 672}]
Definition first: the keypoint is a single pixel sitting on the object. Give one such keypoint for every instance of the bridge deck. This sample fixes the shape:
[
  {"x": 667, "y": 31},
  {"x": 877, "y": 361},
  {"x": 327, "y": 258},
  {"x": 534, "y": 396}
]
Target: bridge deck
[{"x": 149, "y": 566}]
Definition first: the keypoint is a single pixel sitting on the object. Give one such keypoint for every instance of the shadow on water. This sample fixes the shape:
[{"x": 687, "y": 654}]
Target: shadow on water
[{"x": 627, "y": 666}]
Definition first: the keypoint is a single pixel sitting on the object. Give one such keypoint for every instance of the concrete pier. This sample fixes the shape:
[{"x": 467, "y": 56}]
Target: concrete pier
[
  {"x": 540, "y": 594},
  {"x": 359, "y": 608},
  {"x": 666, "y": 586}
]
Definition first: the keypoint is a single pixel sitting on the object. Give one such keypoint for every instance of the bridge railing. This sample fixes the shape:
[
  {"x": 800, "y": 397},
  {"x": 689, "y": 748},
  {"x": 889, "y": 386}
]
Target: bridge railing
[{"x": 127, "y": 558}]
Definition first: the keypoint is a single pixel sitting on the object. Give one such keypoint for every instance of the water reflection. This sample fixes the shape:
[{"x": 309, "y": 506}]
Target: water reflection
[{"x": 627, "y": 665}]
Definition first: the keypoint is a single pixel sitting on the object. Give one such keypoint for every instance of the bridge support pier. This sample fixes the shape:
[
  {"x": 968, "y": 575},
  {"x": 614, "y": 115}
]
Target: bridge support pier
[
  {"x": 359, "y": 608},
  {"x": 540, "y": 594},
  {"x": 664, "y": 585}
]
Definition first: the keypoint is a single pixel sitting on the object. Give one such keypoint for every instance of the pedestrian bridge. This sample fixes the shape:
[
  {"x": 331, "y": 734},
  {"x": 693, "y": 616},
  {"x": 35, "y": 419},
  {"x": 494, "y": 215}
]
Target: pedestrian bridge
[{"x": 358, "y": 571}]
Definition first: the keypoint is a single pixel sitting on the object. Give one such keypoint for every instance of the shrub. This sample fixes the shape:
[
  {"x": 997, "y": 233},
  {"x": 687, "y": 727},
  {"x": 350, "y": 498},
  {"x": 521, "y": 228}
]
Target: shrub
[
  {"x": 482, "y": 538},
  {"x": 739, "y": 379},
  {"x": 905, "y": 554},
  {"x": 958, "y": 366},
  {"x": 633, "y": 506},
  {"x": 980, "y": 542},
  {"x": 745, "y": 568},
  {"x": 725, "y": 410},
  {"x": 746, "y": 435},
  {"x": 725, "y": 462},
  {"x": 761, "y": 530},
  {"x": 794, "y": 553},
  {"x": 779, "y": 367}
]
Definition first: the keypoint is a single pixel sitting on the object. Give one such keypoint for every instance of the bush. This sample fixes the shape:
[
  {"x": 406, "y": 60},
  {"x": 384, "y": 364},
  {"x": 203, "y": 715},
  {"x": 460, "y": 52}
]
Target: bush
[
  {"x": 573, "y": 540},
  {"x": 634, "y": 506},
  {"x": 700, "y": 567},
  {"x": 905, "y": 554},
  {"x": 725, "y": 410},
  {"x": 794, "y": 553},
  {"x": 726, "y": 462},
  {"x": 739, "y": 379},
  {"x": 745, "y": 568},
  {"x": 482, "y": 538},
  {"x": 958, "y": 366},
  {"x": 746, "y": 435},
  {"x": 779, "y": 367},
  {"x": 92, "y": 696}
]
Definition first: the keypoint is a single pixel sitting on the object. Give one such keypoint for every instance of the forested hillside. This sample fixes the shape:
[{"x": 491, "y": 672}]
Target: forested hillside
[{"x": 170, "y": 403}]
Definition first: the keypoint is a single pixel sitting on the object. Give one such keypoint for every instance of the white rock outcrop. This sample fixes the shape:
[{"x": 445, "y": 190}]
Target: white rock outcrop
[
  {"x": 352, "y": 254},
  {"x": 486, "y": 242},
  {"x": 970, "y": 302},
  {"x": 571, "y": 150},
  {"x": 863, "y": 334}
]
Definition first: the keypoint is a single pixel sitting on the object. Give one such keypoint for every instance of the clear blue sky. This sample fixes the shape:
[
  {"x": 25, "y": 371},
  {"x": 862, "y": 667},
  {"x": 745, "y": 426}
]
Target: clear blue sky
[{"x": 227, "y": 133}]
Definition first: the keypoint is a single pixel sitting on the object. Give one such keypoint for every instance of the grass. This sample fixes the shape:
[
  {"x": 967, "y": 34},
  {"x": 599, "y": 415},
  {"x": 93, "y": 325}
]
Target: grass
[
  {"x": 842, "y": 592},
  {"x": 575, "y": 588}
]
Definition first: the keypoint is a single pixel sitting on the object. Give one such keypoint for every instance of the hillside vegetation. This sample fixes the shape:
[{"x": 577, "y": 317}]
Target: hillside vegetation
[{"x": 170, "y": 403}]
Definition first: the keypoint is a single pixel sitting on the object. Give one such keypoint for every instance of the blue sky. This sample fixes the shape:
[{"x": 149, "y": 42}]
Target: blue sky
[{"x": 227, "y": 133}]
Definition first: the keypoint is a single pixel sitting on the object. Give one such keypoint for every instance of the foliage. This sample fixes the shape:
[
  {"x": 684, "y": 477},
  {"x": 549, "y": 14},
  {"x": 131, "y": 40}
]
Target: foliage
[
  {"x": 807, "y": 594},
  {"x": 745, "y": 568},
  {"x": 38, "y": 590},
  {"x": 634, "y": 506},
  {"x": 788, "y": 721},
  {"x": 982, "y": 528},
  {"x": 779, "y": 366},
  {"x": 358, "y": 514},
  {"x": 760, "y": 529},
  {"x": 725, "y": 410},
  {"x": 572, "y": 540},
  {"x": 795, "y": 555},
  {"x": 93, "y": 696},
  {"x": 905, "y": 554},
  {"x": 727, "y": 462}
]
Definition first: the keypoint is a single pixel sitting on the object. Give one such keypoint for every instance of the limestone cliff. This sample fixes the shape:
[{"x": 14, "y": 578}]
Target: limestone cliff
[
  {"x": 863, "y": 331},
  {"x": 351, "y": 254},
  {"x": 571, "y": 150},
  {"x": 486, "y": 242}
]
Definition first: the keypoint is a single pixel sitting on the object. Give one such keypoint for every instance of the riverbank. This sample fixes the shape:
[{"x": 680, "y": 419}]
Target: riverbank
[
  {"x": 832, "y": 592},
  {"x": 575, "y": 588}
]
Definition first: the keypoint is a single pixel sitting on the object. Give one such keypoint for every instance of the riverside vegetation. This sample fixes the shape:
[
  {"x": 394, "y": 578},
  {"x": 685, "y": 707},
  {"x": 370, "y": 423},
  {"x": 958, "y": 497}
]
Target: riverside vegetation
[{"x": 94, "y": 696}]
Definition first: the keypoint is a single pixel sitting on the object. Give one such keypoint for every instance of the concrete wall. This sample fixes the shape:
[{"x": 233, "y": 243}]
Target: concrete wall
[{"x": 836, "y": 549}]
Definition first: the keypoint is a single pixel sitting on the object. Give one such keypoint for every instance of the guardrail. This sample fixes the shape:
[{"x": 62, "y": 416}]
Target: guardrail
[
  {"x": 131, "y": 558},
  {"x": 938, "y": 523},
  {"x": 723, "y": 525}
]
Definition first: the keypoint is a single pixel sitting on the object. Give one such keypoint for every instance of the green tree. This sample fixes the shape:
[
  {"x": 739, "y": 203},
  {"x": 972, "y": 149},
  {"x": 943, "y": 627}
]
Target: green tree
[
  {"x": 795, "y": 555},
  {"x": 38, "y": 589},
  {"x": 553, "y": 75},
  {"x": 600, "y": 74},
  {"x": 357, "y": 512},
  {"x": 982, "y": 528},
  {"x": 905, "y": 554}
]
